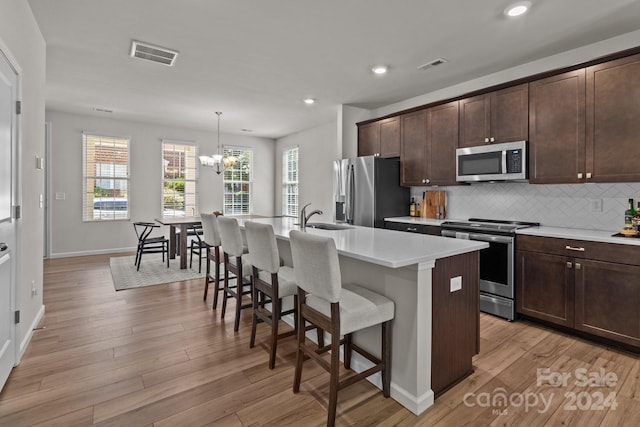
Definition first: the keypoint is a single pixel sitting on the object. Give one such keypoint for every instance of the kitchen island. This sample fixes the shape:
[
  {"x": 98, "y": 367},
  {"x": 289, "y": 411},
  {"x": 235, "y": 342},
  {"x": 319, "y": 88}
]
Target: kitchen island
[{"x": 434, "y": 284}]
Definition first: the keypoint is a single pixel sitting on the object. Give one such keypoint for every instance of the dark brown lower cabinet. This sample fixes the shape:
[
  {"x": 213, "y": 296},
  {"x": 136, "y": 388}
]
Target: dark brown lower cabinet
[
  {"x": 608, "y": 300},
  {"x": 545, "y": 287},
  {"x": 589, "y": 287}
]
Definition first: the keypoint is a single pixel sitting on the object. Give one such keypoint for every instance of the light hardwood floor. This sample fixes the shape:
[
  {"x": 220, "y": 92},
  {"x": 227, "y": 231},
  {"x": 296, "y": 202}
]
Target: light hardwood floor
[{"x": 161, "y": 356}]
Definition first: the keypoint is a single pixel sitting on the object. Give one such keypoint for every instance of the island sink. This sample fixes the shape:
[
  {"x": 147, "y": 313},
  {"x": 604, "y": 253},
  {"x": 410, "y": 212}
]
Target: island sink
[{"x": 325, "y": 226}]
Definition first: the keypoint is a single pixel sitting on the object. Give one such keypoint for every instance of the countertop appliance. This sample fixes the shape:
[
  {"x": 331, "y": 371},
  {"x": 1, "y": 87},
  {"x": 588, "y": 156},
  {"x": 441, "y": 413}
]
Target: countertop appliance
[
  {"x": 367, "y": 189},
  {"x": 495, "y": 162},
  {"x": 497, "y": 263}
]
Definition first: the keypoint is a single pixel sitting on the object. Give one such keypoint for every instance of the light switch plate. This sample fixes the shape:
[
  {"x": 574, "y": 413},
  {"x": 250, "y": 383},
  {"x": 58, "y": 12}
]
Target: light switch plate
[
  {"x": 61, "y": 196},
  {"x": 455, "y": 284}
]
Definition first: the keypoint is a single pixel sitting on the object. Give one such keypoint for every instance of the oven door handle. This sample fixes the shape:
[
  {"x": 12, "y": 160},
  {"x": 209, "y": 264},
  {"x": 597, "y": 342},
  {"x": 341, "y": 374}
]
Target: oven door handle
[{"x": 490, "y": 239}]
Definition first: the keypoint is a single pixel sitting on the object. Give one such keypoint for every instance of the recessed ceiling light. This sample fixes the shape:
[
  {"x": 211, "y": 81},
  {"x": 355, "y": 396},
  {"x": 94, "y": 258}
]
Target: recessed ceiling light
[
  {"x": 380, "y": 69},
  {"x": 517, "y": 9},
  {"x": 309, "y": 101}
]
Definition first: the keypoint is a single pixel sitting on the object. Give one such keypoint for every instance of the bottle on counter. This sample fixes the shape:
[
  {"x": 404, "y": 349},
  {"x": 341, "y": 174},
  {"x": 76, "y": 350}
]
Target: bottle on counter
[
  {"x": 412, "y": 207},
  {"x": 635, "y": 222},
  {"x": 628, "y": 215}
]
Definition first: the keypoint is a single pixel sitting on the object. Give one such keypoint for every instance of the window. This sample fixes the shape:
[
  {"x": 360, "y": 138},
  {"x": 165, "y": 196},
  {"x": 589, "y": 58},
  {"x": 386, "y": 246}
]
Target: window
[
  {"x": 290, "y": 182},
  {"x": 179, "y": 180},
  {"x": 237, "y": 182},
  {"x": 105, "y": 178}
]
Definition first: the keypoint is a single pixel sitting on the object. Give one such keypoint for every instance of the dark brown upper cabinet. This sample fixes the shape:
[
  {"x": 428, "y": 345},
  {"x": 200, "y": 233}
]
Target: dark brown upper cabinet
[
  {"x": 613, "y": 121},
  {"x": 584, "y": 124},
  {"x": 380, "y": 138},
  {"x": 413, "y": 148},
  {"x": 557, "y": 129},
  {"x": 429, "y": 139},
  {"x": 495, "y": 117}
]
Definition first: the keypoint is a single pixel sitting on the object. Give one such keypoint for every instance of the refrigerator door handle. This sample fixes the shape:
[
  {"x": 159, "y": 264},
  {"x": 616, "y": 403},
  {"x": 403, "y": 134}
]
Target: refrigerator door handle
[{"x": 349, "y": 202}]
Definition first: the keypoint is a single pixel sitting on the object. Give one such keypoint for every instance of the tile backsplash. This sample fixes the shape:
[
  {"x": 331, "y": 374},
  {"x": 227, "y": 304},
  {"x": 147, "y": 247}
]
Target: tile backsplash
[{"x": 594, "y": 206}]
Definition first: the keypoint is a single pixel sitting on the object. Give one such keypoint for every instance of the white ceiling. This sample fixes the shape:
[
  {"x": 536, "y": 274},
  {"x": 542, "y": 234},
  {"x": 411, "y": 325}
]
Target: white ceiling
[{"x": 255, "y": 60}]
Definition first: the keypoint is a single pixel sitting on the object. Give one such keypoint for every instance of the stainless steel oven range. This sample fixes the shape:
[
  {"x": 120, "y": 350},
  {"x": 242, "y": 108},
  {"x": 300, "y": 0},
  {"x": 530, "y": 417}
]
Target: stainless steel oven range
[{"x": 497, "y": 263}]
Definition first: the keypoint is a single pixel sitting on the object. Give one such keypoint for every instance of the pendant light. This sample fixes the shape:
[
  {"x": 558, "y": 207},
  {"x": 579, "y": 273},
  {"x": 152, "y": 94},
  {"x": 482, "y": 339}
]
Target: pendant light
[{"x": 218, "y": 161}]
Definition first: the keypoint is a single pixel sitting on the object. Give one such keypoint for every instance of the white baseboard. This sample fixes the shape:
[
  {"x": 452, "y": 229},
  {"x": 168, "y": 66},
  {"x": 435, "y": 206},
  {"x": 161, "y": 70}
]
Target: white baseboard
[
  {"x": 95, "y": 252},
  {"x": 27, "y": 339}
]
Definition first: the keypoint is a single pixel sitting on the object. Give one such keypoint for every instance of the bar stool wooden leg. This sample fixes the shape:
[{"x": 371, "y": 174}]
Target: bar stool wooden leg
[
  {"x": 254, "y": 316},
  {"x": 335, "y": 365},
  {"x": 216, "y": 278},
  {"x": 347, "y": 351},
  {"x": 206, "y": 280},
  {"x": 386, "y": 358},
  {"x": 225, "y": 290},
  {"x": 275, "y": 318}
]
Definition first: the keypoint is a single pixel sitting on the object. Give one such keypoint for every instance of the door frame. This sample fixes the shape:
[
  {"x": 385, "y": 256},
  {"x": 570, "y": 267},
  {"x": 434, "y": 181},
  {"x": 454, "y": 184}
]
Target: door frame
[{"x": 16, "y": 194}]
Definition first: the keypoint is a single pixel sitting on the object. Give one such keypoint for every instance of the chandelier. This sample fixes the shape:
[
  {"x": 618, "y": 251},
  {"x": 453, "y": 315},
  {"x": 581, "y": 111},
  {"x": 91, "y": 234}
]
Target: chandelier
[{"x": 218, "y": 161}]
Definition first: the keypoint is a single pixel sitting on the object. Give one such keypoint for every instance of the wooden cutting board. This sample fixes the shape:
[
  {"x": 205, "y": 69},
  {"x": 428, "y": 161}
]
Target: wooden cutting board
[{"x": 434, "y": 202}]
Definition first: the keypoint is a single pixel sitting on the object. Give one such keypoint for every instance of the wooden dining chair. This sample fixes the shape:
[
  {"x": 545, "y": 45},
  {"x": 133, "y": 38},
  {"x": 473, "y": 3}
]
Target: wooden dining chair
[{"x": 341, "y": 309}]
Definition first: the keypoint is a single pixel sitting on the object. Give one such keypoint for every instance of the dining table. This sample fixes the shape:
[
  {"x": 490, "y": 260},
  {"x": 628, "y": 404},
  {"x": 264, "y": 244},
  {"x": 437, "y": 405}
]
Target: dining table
[{"x": 183, "y": 224}]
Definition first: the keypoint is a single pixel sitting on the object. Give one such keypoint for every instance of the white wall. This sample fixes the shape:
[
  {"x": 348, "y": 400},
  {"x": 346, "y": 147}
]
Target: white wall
[
  {"x": 22, "y": 38},
  {"x": 348, "y": 116},
  {"x": 71, "y": 236},
  {"x": 317, "y": 149}
]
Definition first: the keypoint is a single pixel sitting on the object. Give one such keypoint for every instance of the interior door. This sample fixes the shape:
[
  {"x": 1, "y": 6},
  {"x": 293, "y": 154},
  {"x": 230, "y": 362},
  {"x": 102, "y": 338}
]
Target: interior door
[{"x": 8, "y": 85}]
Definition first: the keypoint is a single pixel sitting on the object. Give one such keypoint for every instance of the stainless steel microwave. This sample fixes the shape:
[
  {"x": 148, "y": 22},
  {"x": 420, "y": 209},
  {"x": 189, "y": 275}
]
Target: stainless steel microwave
[{"x": 496, "y": 162}]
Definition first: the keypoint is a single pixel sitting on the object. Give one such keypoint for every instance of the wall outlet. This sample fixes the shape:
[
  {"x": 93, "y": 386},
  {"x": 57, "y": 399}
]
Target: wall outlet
[
  {"x": 595, "y": 205},
  {"x": 455, "y": 284},
  {"x": 34, "y": 291}
]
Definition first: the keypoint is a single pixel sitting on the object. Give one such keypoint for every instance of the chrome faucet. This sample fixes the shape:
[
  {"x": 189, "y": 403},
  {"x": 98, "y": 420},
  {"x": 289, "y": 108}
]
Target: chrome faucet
[{"x": 304, "y": 218}]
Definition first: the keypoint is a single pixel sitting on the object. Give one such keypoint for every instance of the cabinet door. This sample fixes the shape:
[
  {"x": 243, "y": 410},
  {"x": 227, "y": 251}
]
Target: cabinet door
[
  {"x": 545, "y": 287},
  {"x": 510, "y": 114},
  {"x": 557, "y": 129},
  {"x": 613, "y": 120},
  {"x": 390, "y": 137},
  {"x": 442, "y": 140},
  {"x": 608, "y": 300},
  {"x": 369, "y": 139},
  {"x": 475, "y": 114},
  {"x": 413, "y": 155}
]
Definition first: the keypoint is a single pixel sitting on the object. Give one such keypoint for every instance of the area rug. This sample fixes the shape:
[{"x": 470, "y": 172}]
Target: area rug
[{"x": 153, "y": 271}]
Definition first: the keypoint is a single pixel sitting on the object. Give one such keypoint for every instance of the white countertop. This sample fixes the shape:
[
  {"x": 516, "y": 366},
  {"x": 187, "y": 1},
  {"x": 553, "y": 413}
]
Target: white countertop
[
  {"x": 379, "y": 246},
  {"x": 603, "y": 236},
  {"x": 416, "y": 220}
]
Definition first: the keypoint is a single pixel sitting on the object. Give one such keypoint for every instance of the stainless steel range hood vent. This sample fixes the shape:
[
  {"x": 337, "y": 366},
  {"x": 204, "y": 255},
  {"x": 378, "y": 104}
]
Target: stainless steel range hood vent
[{"x": 153, "y": 53}]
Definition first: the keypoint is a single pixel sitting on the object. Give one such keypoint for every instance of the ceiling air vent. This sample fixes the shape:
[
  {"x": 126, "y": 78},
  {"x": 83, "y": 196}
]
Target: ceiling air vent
[
  {"x": 432, "y": 64},
  {"x": 153, "y": 53}
]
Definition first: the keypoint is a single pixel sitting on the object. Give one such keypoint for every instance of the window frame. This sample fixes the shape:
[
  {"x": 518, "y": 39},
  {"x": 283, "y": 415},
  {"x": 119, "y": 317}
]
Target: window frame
[
  {"x": 99, "y": 136},
  {"x": 226, "y": 150},
  {"x": 194, "y": 181},
  {"x": 287, "y": 184}
]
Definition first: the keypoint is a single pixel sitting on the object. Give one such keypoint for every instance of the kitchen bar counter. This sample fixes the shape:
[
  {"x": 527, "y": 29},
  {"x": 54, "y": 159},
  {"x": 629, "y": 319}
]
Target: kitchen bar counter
[
  {"x": 603, "y": 236},
  {"x": 417, "y": 220},
  {"x": 379, "y": 246},
  {"x": 435, "y": 331}
]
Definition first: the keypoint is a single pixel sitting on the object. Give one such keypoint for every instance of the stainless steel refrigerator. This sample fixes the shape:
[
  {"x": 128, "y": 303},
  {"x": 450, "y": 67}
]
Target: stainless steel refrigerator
[{"x": 367, "y": 189}]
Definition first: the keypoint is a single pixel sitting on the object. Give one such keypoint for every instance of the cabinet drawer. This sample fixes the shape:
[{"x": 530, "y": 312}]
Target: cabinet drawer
[
  {"x": 623, "y": 254},
  {"x": 413, "y": 228}
]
